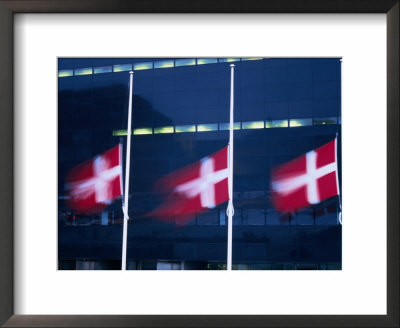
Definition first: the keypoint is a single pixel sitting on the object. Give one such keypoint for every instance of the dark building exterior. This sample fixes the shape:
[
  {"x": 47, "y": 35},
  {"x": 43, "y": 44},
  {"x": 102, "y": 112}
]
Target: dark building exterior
[{"x": 283, "y": 109}]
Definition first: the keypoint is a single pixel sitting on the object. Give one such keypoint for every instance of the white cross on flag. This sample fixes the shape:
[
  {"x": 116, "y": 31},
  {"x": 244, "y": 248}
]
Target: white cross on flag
[
  {"x": 93, "y": 185},
  {"x": 306, "y": 180},
  {"x": 194, "y": 189}
]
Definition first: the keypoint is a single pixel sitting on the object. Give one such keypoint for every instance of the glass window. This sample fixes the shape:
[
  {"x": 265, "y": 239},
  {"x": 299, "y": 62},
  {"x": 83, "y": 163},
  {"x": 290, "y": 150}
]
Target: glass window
[
  {"x": 240, "y": 267},
  {"x": 276, "y": 124},
  {"x": 141, "y": 131},
  {"x": 207, "y": 127},
  {"x": 252, "y": 58},
  {"x": 185, "y": 62},
  {"x": 306, "y": 266},
  {"x": 253, "y": 125},
  {"x": 164, "y": 63},
  {"x": 118, "y": 133},
  {"x": 208, "y": 218},
  {"x": 261, "y": 266},
  {"x": 275, "y": 218},
  {"x": 289, "y": 266},
  {"x": 225, "y": 126},
  {"x": 164, "y": 129},
  {"x": 305, "y": 217},
  {"x": 164, "y": 265},
  {"x": 327, "y": 216},
  {"x": 65, "y": 73},
  {"x": 325, "y": 121},
  {"x": 83, "y": 71},
  {"x": 237, "y": 216},
  {"x": 103, "y": 69},
  {"x": 122, "y": 68},
  {"x": 202, "y": 61},
  {"x": 148, "y": 265},
  {"x": 185, "y": 128},
  {"x": 228, "y": 60},
  {"x": 300, "y": 122},
  {"x": 253, "y": 216},
  {"x": 222, "y": 217},
  {"x": 142, "y": 66}
]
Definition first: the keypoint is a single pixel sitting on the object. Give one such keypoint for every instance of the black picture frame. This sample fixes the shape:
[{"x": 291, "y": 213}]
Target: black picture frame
[{"x": 10, "y": 7}]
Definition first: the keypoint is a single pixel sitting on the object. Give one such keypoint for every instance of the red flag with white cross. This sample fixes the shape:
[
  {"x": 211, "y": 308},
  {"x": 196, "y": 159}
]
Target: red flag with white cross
[
  {"x": 194, "y": 189},
  {"x": 94, "y": 184},
  {"x": 306, "y": 180}
]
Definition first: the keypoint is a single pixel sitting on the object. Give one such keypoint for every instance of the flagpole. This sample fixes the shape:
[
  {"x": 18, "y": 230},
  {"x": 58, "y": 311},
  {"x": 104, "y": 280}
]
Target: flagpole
[
  {"x": 230, "y": 210},
  {"x": 337, "y": 180},
  {"x": 127, "y": 167}
]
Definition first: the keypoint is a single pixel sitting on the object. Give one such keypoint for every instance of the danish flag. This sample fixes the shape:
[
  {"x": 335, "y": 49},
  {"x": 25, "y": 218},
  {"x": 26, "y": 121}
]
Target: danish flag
[
  {"x": 306, "y": 180},
  {"x": 93, "y": 185},
  {"x": 194, "y": 189}
]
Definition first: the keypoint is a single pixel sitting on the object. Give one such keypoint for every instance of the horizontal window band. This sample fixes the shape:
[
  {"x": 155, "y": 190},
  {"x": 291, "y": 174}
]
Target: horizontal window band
[
  {"x": 167, "y": 63},
  {"x": 212, "y": 127}
]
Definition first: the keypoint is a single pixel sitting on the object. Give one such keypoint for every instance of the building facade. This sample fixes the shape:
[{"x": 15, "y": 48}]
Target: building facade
[{"x": 284, "y": 107}]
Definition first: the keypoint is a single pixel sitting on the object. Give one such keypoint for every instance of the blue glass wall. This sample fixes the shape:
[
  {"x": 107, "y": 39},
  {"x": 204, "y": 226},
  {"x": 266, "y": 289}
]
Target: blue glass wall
[{"x": 283, "y": 108}]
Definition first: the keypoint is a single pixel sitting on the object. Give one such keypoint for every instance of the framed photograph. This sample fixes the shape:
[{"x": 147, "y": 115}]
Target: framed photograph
[{"x": 185, "y": 168}]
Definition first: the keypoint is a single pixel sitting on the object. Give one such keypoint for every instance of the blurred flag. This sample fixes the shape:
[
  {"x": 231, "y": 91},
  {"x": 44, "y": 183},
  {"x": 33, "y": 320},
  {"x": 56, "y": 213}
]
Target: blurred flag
[
  {"x": 194, "y": 189},
  {"x": 306, "y": 180},
  {"x": 93, "y": 185}
]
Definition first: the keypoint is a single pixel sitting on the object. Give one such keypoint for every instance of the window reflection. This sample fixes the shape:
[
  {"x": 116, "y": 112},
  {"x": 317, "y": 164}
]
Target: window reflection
[
  {"x": 103, "y": 69},
  {"x": 142, "y": 131},
  {"x": 185, "y": 62},
  {"x": 118, "y": 133},
  {"x": 228, "y": 60},
  {"x": 83, "y": 71},
  {"x": 253, "y": 125},
  {"x": 207, "y": 127},
  {"x": 65, "y": 73},
  {"x": 164, "y": 64},
  {"x": 164, "y": 129},
  {"x": 325, "y": 121},
  {"x": 122, "y": 68},
  {"x": 300, "y": 122},
  {"x": 276, "y": 124},
  {"x": 185, "y": 128},
  {"x": 142, "y": 66},
  {"x": 202, "y": 61},
  {"x": 225, "y": 126}
]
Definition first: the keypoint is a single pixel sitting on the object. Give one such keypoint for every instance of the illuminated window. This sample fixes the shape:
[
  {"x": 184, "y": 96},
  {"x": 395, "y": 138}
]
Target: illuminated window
[
  {"x": 164, "y": 129},
  {"x": 118, "y": 133},
  {"x": 185, "y": 62},
  {"x": 228, "y": 60},
  {"x": 276, "y": 124},
  {"x": 325, "y": 121},
  {"x": 253, "y": 125},
  {"x": 202, "y": 61},
  {"x": 207, "y": 127},
  {"x": 83, "y": 71},
  {"x": 142, "y": 131},
  {"x": 142, "y": 66},
  {"x": 225, "y": 126},
  {"x": 122, "y": 68},
  {"x": 65, "y": 73},
  {"x": 252, "y": 58},
  {"x": 164, "y": 64},
  {"x": 300, "y": 122},
  {"x": 103, "y": 69},
  {"x": 185, "y": 128}
]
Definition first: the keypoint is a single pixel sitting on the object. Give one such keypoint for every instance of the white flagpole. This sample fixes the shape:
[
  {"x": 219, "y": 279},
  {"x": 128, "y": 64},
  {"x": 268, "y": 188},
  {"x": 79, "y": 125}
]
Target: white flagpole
[
  {"x": 230, "y": 210},
  {"x": 128, "y": 157},
  {"x": 337, "y": 180}
]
